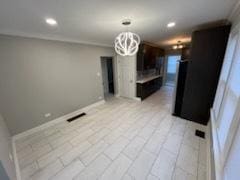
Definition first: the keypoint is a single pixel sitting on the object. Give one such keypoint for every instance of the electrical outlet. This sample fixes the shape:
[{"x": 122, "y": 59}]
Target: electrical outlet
[
  {"x": 47, "y": 115},
  {"x": 98, "y": 74},
  {"x": 100, "y": 97}
]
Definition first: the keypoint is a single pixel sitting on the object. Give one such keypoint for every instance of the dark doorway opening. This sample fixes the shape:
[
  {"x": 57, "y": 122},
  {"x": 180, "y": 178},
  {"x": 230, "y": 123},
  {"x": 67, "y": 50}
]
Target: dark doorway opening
[{"x": 107, "y": 75}]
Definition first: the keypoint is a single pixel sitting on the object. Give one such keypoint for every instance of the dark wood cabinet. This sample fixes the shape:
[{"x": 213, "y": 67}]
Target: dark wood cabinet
[
  {"x": 147, "y": 57},
  {"x": 185, "y": 54},
  {"x": 146, "y": 89},
  {"x": 206, "y": 58},
  {"x": 140, "y": 58}
]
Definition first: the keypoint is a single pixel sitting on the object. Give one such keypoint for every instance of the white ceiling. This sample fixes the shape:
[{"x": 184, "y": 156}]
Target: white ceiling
[{"x": 99, "y": 21}]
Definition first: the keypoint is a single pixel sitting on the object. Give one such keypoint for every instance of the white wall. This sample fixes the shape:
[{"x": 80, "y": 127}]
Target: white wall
[{"x": 6, "y": 150}]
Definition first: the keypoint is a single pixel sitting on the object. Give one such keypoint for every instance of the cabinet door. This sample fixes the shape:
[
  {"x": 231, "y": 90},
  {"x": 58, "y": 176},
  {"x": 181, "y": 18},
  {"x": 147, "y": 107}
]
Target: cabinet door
[
  {"x": 147, "y": 57},
  {"x": 140, "y": 58},
  {"x": 154, "y": 56}
]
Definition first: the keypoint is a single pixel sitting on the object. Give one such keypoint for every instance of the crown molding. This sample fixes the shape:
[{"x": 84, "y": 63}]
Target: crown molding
[{"x": 51, "y": 38}]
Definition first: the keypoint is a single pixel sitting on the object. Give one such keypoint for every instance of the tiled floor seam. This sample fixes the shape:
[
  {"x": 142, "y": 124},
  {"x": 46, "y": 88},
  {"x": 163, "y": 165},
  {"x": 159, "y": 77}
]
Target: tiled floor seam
[
  {"x": 131, "y": 119},
  {"x": 179, "y": 153},
  {"x": 175, "y": 164},
  {"x": 198, "y": 160},
  {"x": 106, "y": 167},
  {"x": 146, "y": 141},
  {"x": 122, "y": 152}
]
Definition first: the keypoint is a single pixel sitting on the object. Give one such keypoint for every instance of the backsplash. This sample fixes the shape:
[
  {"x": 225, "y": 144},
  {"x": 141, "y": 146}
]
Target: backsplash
[{"x": 147, "y": 73}]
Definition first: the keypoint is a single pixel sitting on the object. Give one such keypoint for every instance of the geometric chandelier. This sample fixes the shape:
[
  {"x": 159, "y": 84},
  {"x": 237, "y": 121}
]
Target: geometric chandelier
[{"x": 126, "y": 43}]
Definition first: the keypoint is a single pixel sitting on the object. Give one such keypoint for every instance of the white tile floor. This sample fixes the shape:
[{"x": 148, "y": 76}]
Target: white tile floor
[{"x": 122, "y": 139}]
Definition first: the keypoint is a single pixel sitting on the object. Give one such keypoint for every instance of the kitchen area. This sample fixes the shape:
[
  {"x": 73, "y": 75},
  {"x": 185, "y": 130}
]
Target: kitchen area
[
  {"x": 196, "y": 74},
  {"x": 150, "y": 69}
]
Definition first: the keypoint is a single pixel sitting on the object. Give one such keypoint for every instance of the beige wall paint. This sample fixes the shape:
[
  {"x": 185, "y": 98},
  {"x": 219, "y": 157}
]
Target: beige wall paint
[
  {"x": 6, "y": 150},
  {"x": 40, "y": 76}
]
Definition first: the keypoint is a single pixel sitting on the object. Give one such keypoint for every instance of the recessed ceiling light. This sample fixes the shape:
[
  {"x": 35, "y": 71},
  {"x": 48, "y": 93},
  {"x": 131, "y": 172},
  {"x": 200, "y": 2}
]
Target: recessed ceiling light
[
  {"x": 171, "y": 24},
  {"x": 51, "y": 21}
]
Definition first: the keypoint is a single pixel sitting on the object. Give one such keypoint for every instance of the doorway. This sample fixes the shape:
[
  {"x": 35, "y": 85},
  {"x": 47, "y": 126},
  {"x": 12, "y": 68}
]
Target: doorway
[
  {"x": 171, "y": 69},
  {"x": 107, "y": 76}
]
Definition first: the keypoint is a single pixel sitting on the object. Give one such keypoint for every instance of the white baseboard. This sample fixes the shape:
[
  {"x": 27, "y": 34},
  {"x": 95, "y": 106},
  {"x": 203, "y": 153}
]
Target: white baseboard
[
  {"x": 15, "y": 159},
  {"x": 55, "y": 121},
  {"x": 134, "y": 98},
  {"x": 137, "y": 99}
]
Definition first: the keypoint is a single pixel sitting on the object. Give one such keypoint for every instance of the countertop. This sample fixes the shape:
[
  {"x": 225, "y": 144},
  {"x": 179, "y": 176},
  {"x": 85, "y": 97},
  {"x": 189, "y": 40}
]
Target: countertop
[{"x": 146, "y": 79}]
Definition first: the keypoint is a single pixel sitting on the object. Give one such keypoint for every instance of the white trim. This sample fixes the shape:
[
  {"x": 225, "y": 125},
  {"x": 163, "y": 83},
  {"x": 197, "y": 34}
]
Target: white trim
[
  {"x": 51, "y": 38},
  {"x": 216, "y": 149},
  {"x": 55, "y": 121}
]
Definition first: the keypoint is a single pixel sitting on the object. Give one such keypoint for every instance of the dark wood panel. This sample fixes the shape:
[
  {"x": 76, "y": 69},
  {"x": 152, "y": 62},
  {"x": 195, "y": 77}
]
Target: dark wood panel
[
  {"x": 147, "y": 56},
  {"x": 140, "y": 58},
  {"x": 185, "y": 53},
  {"x": 207, "y": 54}
]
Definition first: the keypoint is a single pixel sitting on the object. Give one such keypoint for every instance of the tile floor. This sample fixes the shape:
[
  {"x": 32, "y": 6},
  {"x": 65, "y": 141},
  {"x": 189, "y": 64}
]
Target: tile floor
[{"x": 122, "y": 139}]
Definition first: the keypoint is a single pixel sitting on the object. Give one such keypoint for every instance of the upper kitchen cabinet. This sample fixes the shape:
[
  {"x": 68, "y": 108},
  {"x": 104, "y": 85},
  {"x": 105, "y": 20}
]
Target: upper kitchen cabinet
[{"x": 147, "y": 56}]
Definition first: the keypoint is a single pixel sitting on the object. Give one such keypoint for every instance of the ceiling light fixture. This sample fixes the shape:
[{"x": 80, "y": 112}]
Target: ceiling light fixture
[
  {"x": 51, "y": 21},
  {"x": 178, "y": 45},
  {"x": 171, "y": 24},
  {"x": 126, "y": 43},
  {"x": 175, "y": 47}
]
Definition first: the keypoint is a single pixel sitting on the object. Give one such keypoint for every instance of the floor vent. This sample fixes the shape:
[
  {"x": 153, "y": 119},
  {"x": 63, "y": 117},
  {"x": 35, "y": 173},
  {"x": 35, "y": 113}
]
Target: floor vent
[
  {"x": 76, "y": 117},
  {"x": 200, "y": 134}
]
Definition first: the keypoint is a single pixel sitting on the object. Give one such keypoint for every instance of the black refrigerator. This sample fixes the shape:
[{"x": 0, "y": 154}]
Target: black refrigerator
[{"x": 181, "y": 74}]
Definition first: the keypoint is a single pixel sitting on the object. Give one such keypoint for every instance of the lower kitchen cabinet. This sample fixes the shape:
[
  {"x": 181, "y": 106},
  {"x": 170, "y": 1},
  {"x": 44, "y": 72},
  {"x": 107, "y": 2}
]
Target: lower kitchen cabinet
[{"x": 146, "y": 89}]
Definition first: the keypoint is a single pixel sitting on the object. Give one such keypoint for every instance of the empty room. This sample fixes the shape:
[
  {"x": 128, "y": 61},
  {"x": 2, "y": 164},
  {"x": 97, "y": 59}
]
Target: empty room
[{"x": 119, "y": 90}]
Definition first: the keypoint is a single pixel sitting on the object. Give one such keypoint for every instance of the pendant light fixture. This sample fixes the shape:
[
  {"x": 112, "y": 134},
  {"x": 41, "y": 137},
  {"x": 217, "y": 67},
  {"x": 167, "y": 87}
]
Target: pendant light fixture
[
  {"x": 178, "y": 46},
  {"x": 126, "y": 43}
]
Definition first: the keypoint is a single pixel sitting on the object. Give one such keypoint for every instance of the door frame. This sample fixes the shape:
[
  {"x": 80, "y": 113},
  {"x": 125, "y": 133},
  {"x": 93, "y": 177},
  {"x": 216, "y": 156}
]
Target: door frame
[
  {"x": 166, "y": 66},
  {"x": 114, "y": 68}
]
